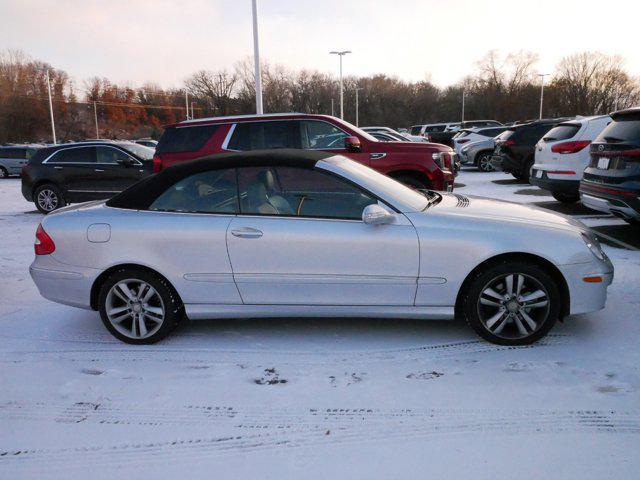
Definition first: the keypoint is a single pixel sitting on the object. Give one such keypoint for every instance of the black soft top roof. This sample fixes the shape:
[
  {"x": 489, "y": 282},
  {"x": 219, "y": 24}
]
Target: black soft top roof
[{"x": 142, "y": 194}]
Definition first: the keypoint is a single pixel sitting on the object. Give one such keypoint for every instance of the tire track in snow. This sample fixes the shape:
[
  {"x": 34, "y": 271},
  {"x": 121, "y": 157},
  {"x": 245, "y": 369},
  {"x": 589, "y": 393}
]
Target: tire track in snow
[{"x": 315, "y": 427}]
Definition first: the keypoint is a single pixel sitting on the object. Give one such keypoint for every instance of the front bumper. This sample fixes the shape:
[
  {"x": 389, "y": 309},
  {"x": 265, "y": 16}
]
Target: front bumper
[
  {"x": 62, "y": 283},
  {"x": 622, "y": 203},
  {"x": 585, "y": 296},
  {"x": 539, "y": 178}
]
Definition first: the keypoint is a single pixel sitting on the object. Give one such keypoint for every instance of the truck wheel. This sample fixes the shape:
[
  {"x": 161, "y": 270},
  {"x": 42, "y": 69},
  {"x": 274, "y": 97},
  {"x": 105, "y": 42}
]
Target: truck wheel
[{"x": 567, "y": 198}]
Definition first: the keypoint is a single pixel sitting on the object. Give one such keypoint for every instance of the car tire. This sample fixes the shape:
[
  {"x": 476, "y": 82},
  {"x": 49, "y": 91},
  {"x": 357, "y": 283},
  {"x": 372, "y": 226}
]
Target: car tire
[
  {"x": 4, "y": 173},
  {"x": 517, "y": 318},
  {"x": 413, "y": 182},
  {"x": 48, "y": 198},
  {"x": 567, "y": 198},
  {"x": 139, "y": 307},
  {"x": 526, "y": 170},
  {"x": 483, "y": 162}
]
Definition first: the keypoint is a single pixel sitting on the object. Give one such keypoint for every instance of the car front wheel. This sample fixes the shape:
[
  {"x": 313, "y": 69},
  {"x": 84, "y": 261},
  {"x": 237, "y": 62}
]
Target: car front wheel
[
  {"x": 139, "y": 307},
  {"x": 48, "y": 198},
  {"x": 512, "y": 303},
  {"x": 566, "y": 197}
]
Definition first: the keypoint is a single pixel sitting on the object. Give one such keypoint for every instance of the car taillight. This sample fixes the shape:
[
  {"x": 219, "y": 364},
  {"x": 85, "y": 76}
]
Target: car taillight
[
  {"x": 157, "y": 163},
  {"x": 509, "y": 142},
  {"x": 570, "y": 147},
  {"x": 44, "y": 243}
]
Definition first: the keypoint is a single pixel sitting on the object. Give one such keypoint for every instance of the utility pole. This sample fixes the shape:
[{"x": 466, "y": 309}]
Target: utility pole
[
  {"x": 186, "y": 101},
  {"x": 256, "y": 58},
  {"x": 463, "y": 92},
  {"x": 541, "y": 75},
  {"x": 332, "y": 108},
  {"x": 341, "y": 54},
  {"x": 192, "y": 115},
  {"x": 95, "y": 117},
  {"x": 357, "y": 112},
  {"x": 53, "y": 125}
]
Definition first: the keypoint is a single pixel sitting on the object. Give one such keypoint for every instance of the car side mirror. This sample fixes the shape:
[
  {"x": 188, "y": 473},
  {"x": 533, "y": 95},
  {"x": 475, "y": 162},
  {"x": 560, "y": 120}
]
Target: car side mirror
[
  {"x": 352, "y": 144},
  {"x": 374, "y": 214}
]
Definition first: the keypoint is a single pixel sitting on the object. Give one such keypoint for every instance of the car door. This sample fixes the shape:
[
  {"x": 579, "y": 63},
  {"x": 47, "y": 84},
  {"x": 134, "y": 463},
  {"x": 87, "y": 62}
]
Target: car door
[
  {"x": 115, "y": 170},
  {"x": 300, "y": 239},
  {"x": 74, "y": 171}
]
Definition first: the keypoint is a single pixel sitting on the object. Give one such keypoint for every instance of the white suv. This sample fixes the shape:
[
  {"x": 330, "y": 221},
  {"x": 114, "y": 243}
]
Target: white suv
[
  {"x": 468, "y": 136},
  {"x": 562, "y": 155}
]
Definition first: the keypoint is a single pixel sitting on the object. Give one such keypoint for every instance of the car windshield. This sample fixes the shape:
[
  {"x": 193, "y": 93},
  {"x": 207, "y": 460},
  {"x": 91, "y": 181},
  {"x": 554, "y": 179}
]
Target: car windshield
[
  {"x": 378, "y": 183},
  {"x": 140, "y": 151}
]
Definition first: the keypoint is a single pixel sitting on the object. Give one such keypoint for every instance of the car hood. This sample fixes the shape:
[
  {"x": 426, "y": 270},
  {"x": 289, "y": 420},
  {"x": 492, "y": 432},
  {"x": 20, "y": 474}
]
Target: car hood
[{"x": 502, "y": 211}]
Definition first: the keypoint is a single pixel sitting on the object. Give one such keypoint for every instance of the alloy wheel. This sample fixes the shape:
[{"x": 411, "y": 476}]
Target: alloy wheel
[
  {"x": 513, "y": 306},
  {"x": 134, "y": 308},
  {"x": 484, "y": 162},
  {"x": 47, "y": 199},
  {"x": 3, "y": 173}
]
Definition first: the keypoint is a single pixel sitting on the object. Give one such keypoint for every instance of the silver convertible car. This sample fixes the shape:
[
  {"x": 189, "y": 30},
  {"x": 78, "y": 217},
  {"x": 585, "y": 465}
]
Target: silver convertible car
[{"x": 303, "y": 233}]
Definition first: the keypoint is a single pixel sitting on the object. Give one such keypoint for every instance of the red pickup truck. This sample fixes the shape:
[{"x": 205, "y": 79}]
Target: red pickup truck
[{"x": 417, "y": 164}]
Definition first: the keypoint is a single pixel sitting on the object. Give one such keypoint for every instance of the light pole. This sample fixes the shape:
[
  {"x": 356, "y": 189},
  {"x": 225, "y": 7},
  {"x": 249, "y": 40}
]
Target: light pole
[
  {"x": 95, "y": 117},
  {"x": 463, "y": 92},
  {"x": 357, "y": 112},
  {"x": 256, "y": 58},
  {"x": 541, "y": 75},
  {"x": 332, "y": 114},
  {"x": 340, "y": 54},
  {"x": 186, "y": 101},
  {"x": 53, "y": 125}
]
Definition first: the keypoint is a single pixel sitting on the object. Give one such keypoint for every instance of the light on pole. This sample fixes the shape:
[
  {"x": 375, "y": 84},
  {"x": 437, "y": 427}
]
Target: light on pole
[
  {"x": 53, "y": 125},
  {"x": 340, "y": 54},
  {"x": 357, "y": 109},
  {"x": 256, "y": 58},
  {"x": 541, "y": 75}
]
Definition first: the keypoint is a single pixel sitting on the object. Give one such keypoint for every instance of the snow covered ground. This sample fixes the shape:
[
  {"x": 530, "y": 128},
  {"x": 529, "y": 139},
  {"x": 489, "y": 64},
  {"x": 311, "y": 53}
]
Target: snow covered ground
[{"x": 298, "y": 398}]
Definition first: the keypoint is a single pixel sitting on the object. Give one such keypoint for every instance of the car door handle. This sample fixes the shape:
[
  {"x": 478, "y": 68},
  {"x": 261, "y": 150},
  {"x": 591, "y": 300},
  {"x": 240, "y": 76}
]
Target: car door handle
[
  {"x": 375, "y": 156},
  {"x": 246, "y": 232},
  {"x": 98, "y": 170},
  {"x": 58, "y": 168}
]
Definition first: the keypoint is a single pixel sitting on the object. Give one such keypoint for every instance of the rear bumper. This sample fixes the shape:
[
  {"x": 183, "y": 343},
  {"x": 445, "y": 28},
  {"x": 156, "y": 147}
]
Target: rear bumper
[
  {"x": 539, "y": 178},
  {"x": 63, "y": 283},
  {"x": 609, "y": 199},
  {"x": 26, "y": 190}
]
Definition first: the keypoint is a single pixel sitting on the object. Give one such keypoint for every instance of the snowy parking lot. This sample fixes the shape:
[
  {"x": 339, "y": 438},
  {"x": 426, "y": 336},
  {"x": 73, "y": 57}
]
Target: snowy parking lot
[{"x": 318, "y": 398}]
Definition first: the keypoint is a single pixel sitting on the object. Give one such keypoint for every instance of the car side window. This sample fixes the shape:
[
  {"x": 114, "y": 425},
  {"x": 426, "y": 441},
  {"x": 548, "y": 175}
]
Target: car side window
[
  {"x": 321, "y": 135},
  {"x": 265, "y": 135},
  {"x": 74, "y": 155},
  {"x": 299, "y": 192},
  {"x": 110, "y": 155},
  {"x": 214, "y": 191}
]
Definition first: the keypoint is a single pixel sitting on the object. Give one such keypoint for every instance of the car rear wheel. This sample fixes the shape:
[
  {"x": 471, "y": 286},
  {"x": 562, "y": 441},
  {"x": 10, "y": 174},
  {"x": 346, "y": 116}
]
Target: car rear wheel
[
  {"x": 512, "y": 303},
  {"x": 48, "y": 198},
  {"x": 4, "y": 173},
  {"x": 484, "y": 162},
  {"x": 139, "y": 307},
  {"x": 566, "y": 197}
]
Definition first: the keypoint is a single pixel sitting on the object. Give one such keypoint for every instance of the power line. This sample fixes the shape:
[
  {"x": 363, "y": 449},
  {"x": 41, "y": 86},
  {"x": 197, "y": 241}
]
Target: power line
[{"x": 109, "y": 104}]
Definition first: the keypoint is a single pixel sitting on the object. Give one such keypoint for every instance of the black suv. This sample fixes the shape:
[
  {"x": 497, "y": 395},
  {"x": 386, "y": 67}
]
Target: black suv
[
  {"x": 515, "y": 148},
  {"x": 611, "y": 182},
  {"x": 79, "y": 172}
]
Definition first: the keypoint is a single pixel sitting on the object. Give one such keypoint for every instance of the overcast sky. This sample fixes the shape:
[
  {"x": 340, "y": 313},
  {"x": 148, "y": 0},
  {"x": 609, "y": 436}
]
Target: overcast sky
[{"x": 131, "y": 41}]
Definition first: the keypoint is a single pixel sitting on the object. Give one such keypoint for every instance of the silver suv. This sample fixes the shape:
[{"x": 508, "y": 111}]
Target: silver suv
[{"x": 14, "y": 157}]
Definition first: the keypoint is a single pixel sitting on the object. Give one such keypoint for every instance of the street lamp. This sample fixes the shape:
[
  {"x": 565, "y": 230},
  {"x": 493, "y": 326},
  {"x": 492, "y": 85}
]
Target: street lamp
[
  {"x": 542, "y": 75},
  {"x": 341, "y": 54},
  {"x": 256, "y": 58},
  {"x": 357, "y": 113}
]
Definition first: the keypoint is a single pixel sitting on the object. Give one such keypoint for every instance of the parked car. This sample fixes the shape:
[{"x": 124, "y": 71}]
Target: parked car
[
  {"x": 611, "y": 182},
  {"x": 515, "y": 149},
  {"x": 401, "y": 137},
  {"x": 385, "y": 137},
  {"x": 420, "y": 165},
  {"x": 311, "y": 233},
  {"x": 78, "y": 172},
  {"x": 473, "y": 124},
  {"x": 14, "y": 157},
  {"x": 425, "y": 129},
  {"x": 562, "y": 155},
  {"x": 478, "y": 154},
  {"x": 147, "y": 142},
  {"x": 468, "y": 135}
]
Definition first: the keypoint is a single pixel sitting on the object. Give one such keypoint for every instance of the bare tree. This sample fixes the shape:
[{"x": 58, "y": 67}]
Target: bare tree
[{"x": 215, "y": 89}]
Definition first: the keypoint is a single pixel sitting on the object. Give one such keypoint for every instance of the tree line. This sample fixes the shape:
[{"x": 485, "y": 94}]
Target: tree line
[{"x": 501, "y": 87}]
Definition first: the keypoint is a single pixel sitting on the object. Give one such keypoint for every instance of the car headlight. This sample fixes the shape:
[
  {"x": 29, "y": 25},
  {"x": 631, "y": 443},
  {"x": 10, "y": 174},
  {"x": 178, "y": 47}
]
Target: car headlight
[{"x": 594, "y": 245}]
